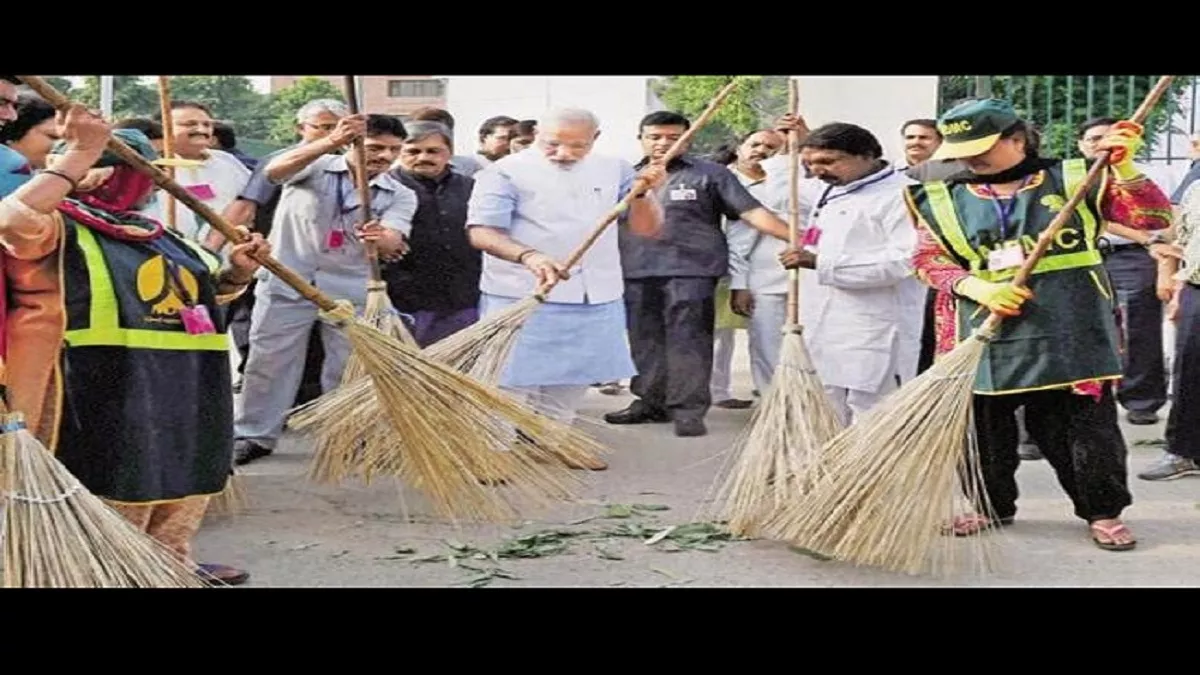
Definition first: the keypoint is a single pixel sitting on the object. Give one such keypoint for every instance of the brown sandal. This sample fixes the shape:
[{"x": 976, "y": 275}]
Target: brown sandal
[{"x": 972, "y": 524}]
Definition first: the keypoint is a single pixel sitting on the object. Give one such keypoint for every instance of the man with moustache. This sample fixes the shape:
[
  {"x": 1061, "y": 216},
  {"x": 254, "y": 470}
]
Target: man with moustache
[
  {"x": 437, "y": 281},
  {"x": 317, "y": 233},
  {"x": 217, "y": 180},
  {"x": 858, "y": 279}
]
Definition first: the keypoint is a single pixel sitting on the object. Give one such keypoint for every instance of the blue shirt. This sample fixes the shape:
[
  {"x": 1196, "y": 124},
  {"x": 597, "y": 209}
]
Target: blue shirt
[{"x": 15, "y": 170}]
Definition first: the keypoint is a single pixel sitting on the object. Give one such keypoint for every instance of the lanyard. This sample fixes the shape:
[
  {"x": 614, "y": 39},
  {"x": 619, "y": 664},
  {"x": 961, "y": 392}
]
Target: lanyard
[
  {"x": 341, "y": 202},
  {"x": 1005, "y": 207},
  {"x": 825, "y": 198}
]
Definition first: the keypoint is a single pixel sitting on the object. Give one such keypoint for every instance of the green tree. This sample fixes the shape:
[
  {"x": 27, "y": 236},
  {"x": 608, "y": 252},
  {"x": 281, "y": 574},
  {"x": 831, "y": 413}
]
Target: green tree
[
  {"x": 1057, "y": 104},
  {"x": 755, "y": 103},
  {"x": 285, "y": 102},
  {"x": 231, "y": 98},
  {"x": 131, "y": 96}
]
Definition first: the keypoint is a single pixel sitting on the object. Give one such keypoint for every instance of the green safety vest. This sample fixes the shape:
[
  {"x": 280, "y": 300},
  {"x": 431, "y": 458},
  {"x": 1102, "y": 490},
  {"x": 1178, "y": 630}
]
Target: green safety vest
[
  {"x": 118, "y": 293},
  {"x": 1067, "y": 333}
]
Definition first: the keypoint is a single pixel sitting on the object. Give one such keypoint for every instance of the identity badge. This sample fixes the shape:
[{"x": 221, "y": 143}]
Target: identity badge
[
  {"x": 202, "y": 191},
  {"x": 683, "y": 194},
  {"x": 1006, "y": 257}
]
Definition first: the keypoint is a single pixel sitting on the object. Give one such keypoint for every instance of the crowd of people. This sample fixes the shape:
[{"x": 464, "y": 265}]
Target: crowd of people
[{"x": 118, "y": 299}]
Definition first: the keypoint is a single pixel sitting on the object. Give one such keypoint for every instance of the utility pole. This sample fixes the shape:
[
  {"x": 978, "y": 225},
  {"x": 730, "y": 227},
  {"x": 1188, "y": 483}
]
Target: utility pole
[
  {"x": 106, "y": 96},
  {"x": 983, "y": 86}
]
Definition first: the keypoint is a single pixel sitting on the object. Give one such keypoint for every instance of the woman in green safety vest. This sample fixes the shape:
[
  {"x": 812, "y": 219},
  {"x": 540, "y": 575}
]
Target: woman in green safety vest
[
  {"x": 117, "y": 352},
  {"x": 1058, "y": 354}
]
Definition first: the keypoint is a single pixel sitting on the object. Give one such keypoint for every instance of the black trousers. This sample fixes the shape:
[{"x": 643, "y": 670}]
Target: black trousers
[
  {"x": 1134, "y": 274},
  {"x": 1079, "y": 437},
  {"x": 671, "y": 323},
  {"x": 1183, "y": 423},
  {"x": 928, "y": 333},
  {"x": 239, "y": 325}
]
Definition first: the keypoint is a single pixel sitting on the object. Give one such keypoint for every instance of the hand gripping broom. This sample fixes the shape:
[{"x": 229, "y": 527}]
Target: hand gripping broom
[
  {"x": 795, "y": 418},
  {"x": 56, "y": 534},
  {"x": 893, "y": 479},
  {"x": 481, "y": 351},
  {"x": 450, "y": 423}
]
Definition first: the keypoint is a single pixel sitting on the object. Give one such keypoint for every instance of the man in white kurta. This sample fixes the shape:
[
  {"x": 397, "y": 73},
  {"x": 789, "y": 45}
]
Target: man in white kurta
[
  {"x": 528, "y": 212},
  {"x": 855, "y": 292}
]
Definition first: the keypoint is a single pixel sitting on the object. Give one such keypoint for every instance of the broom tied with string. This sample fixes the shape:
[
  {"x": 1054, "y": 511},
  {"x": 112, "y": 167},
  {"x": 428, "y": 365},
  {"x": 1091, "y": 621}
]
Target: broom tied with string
[
  {"x": 54, "y": 533},
  {"x": 893, "y": 481},
  {"x": 481, "y": 350},
  {"x": 450, "y": 423},
  {"x": 795, "y": 417}
]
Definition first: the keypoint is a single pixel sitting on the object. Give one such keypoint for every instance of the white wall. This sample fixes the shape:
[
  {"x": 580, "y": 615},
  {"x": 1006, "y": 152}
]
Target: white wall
[
  {"x": 619, "y": 102},
  {"x": 878, "y": 104}
]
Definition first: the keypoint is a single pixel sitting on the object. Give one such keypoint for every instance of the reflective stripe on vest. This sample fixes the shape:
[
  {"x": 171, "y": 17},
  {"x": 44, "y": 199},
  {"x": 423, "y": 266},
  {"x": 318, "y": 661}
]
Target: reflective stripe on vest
[
  {"x": 1074, "y": 173},
  {"x": 104, "y": 328}
]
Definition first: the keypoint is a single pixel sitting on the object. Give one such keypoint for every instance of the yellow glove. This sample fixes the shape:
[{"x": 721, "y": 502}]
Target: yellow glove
[
  {"x": 1003, "y": 299},
  {"x": 1123, "y": 141}
]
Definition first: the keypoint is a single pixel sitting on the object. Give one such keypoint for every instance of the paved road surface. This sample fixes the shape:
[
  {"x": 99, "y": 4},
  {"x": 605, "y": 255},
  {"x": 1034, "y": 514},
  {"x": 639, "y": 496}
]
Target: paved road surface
[{"x": 296, "y": 534}]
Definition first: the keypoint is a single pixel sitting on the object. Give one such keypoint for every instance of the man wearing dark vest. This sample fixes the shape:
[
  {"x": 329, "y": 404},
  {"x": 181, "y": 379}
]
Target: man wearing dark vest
[{"x": 1057, "y": 352}]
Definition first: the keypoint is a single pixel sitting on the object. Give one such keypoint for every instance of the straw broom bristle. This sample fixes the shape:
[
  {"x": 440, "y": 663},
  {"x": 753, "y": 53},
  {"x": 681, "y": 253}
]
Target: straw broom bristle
[
  {"x": 354, "y": 438},
  {"x": 892, "y": 482},
  {"x": 482, "y": 349},
  {"x": 56, "y": 534},
  {"x": 452, "y": 431},
  {"x": 784, "y": 438},
  {"x": 232, "y": 500}
]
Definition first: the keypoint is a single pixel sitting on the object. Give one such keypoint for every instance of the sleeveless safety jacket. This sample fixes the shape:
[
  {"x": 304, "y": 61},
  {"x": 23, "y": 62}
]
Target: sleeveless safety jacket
[{"x": 1067, "y": 333}]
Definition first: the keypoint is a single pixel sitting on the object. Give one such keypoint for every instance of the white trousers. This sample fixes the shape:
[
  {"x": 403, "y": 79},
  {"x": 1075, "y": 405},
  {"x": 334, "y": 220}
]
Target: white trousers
[
  {"x": 560, "y": 402},
  {"x": 721, "y": 385},
  {"x": 766, "y": 336},
  {"x": 279, "y": 330},
  {"x": 851, "y": 404}
]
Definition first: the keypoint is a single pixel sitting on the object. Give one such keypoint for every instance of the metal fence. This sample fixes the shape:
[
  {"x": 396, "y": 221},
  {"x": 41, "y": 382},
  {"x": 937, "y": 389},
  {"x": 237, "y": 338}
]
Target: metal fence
[{"x": 1058, "y": 104}]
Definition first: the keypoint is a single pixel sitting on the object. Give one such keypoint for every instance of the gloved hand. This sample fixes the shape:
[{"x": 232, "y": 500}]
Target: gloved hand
[
  {"x": 1004, "y": 299},
  {"x": 1123, "y": 141}
]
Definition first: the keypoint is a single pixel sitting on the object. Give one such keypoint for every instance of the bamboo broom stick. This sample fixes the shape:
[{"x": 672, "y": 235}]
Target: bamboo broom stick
[{"x": 168, "y": 141}]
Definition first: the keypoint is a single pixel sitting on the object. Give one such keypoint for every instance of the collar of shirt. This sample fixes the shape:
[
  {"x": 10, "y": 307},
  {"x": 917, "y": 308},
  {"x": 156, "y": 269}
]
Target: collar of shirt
[
  {"x": 383, "y": 181},
  {"x": 680, "y": 161},
  {"x": 746, "y": 180}
]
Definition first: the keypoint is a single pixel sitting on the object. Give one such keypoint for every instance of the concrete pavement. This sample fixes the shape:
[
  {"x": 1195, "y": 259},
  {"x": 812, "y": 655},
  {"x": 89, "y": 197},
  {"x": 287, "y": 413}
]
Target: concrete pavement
[{"x": 297, "y": 534}]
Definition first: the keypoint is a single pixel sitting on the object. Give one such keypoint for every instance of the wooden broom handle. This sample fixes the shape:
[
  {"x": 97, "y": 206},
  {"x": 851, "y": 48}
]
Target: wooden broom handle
[
  {"x": 793, "y": 298},
  {"x": 1067, "y": 211},
  {"x": 118, "y": 147},
  {"x": 168, "y": 140},
  {"x": 364, "y": 189},
  {"x": 640, "y": 186}
]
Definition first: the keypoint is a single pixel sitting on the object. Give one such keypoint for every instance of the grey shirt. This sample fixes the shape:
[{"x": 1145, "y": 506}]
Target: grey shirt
[
  {"x": 697, "y": 194},
  {"x": 932, "y": 171},
  {"x": 319, "y": 200}
]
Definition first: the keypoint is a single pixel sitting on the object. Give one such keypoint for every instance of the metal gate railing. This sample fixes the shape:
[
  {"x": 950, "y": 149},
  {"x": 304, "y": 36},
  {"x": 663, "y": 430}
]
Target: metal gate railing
[{"x": 1058, "y": 104}]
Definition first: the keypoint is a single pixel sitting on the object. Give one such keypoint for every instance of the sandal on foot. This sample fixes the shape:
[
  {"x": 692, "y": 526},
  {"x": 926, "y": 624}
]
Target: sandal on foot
[
  {"x": 971, "y": 525},
  {"x": 1110, "y": 534}
]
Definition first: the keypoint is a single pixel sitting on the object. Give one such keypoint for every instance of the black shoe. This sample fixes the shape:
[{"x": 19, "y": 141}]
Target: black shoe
[
  {"x": 690, "y": 426},
  {"x": 637, "y": 413},
  {"x": 245, "y": 451},
  {"x": 1142, "y": 417},
  {"x": 223, "y": 575}
]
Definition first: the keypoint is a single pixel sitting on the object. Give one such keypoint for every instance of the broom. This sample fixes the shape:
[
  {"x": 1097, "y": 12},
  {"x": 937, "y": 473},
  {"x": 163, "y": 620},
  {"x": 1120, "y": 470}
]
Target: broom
[
  {"x": 449, "y": 422},
  {"x": 56, "y": 534},
  {"x": 894, "y": 479},
  {"x": 329, "y": 456},
  {"x": 795, "y": 417},
  {"x": 231, "y": 500},
  {"x": 481, "y": 350}
]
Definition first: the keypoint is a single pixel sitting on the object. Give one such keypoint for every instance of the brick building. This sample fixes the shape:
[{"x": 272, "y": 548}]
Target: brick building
[{"x": 386, "y": 94}]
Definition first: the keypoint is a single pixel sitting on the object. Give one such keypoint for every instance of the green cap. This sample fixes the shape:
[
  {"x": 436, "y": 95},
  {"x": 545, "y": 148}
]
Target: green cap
[{"x": 973, "y": 127}]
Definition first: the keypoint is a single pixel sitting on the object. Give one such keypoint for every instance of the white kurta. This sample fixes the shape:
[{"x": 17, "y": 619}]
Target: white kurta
[
  {"x": 217, "y": 183},
  {"x": 855, "y": 306}
]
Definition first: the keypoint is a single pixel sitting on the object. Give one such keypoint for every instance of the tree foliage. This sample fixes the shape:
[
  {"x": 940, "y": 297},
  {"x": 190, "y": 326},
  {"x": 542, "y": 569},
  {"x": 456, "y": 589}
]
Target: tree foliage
[
  {"x": 755, "y": 103},
  {"x": 1057, "y": 104}
]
